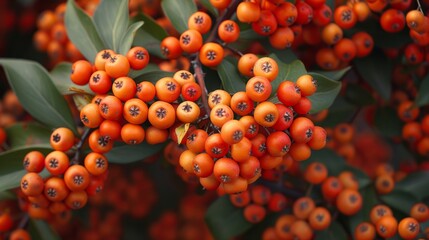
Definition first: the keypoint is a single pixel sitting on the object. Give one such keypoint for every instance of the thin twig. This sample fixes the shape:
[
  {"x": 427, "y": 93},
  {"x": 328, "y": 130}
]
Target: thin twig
[
  {"x": 199, "y": 75},
  {"x": 85, "y": 135}
]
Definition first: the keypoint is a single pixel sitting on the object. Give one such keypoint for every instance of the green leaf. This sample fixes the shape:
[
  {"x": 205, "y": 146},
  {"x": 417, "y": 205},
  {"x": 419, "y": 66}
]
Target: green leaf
[
  {"x": 81, "y": 31},
  {"x": 247, "y": 33},
  {"x": 286, "y": 55},
  {"x": 13, "y": 179},
  {"x": 231, "y": 79},
  {"x": 415, "y": 184},
  {"x": 150, "y": 35},
  {"x": 207, "y": 5},
  {"x": 327, "y": 91},
  {"x": 123, "y": 153},
  {"x": 362, "y": 178},
  {"x": 333, "y": 162},
  {"x": 128, "y": 38},
  {"x": 358, "y": 95},
  {"x": 369, "y": 199},
  {"x": 111, "y": 22},
  {"x": 340, "y": 111},
  {"x": 37, "y": 94},
  {"x": 150, "y": 74},
  {"x": 387, "y": 122},
  {"x": 422, "y": 98},
  {"x": 41, "y": 230},
  {"x": 178, "y": 12},
  {"x": 376, "y": 70},
  {"x": 27, "y": 133},
  {"x": 7, "y": 195},
  {"x": 334, "y": 75},
  {"x": 335, "y": 231},
  {"x": 11, "y": 160},
  {"x": 60, "y": 75},
  {"x": 400, "y": 200},
  {"x": 224, "y": 220}
]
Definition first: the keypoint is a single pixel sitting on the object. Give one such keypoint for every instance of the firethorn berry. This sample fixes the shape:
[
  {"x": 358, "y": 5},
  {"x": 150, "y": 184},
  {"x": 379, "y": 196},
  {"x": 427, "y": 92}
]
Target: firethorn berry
[
  {"x": 99, "y": 143},
  {"x": 228, "y": 31},
  {"x": 77, "y": 178},
  {"x": 170, "y": 47},
  {"x": 219, "y": 96},
  {"x": 415, "y": 19},
  {"x": 285, "y": 117},
  {"x": 135, "y": 111},
  {"x": 117, "y": 66},
  {"x": 200, "y": 21},
  {"x": 345, "y": 50},
  {"x": 288, "y": 93},
  {"x": 220, "y": 114},
  {"x": 102, "y": 57},
  {"x": 254, "y": 213},
  {"x": 307, "y": 85},
  {"x": 277, "y": 202},
  {"x": 260, "y": 194},
  {"x": 248, "y": 12},
  {"x": 62, "y": 139},
  {"x": 81, "y": 72},
  {"x": 215, "y": 146},
  {"x": 414, "y": 54},
  {"x": 183, "y": 77},
  {"x": 19, "y": 234},
  {"x": 269, "y": 162},
  {"x": 34, "y": 161},
  {"x": 154, "y": 135},
  {"x": 363, "y": 42},
  {"x": 195, "y": 141},
  {"x": 202, "y": 165},
  {"x": 240, "y": 199},
  {"x": 285, "y": 14},
  {"x": 145, "y": 91},
  {"x": 186, "y": 161},
  {"x": 303, "y": 106},
  {"x": 226, "y": 170},
  {"x": 315, "y": 173},
  {"x": 302, "y": 207},
  {"x": 100, "y": 82},
  {"x": 187, "y": 112},
  {"x": 384, "y": 184},
  {"x": 90, "y": 116},
  {"x": 266, "y": 67},
  {"x": 138, "y": 57},
  {"x": 387, "y": 226},
  {"x": 364, "y": 231},
  {"x": 245, "y": 64},
  {"x": 191, "y": 91},
  {"x": 379, "y": 211},
  {"x": 420, "y": 212},
  {"x": 345, "y": 17},
  {"x": 241, "y": 104},
  {"x": 278, "y": 143},
  {"x": 305, "y": 13},
  {"x": 220, "y": 4},
  {"x": 57, "y": 162},
  {"x": 76, "y": 199},
  {"x": 167, "y": 89},
  {"x": 57, "y": 207},
  {"x": 259, "y": 147},
  {"x": 209, "y": 183},
  {"x": 110, "y": 108},
  {"x": 300, "y": 229},
  {"x": 191, "y": 41},
  {"x": 124, "y": 88},
  {"x": 332, "y": 33},
  {"x": 322, "y": 16},
  {"x": 282, "y": 38},
  {"x": 250, "y": 168},
  {"x": 97, "y": 98},
  {"x": 326, "y": 59},
  {"x": 319, "y": 219},
  {"x": 266, "y": 24},
  {"x": 32, "y": 184},
  {"x": 392, "y": 20},
  {"x": 343, "y": 132},
  {"x": 266, "y": 114},
  {"x": 331, "y": 187},
  {"x": 318, "y": 141},
  {"x": 258, "y": 88},
  {"x": 283, "y": 225},
  {"x": 55, "y": 189},
  {"x": 250, "y": 125},
  {"x": 301, "y": 130},
  {"x": 408, "y": 228},
  {"x": 349, "y": 202},
  {"x": 211, "y": 54},
  {"x": 241, "y": 151},
  {"x": 412, "y": 132},
  {"x": 348, "y": 179},
  {"x": 362, "y": 10},
  {"x": 96, "y": 163},
  {"x": 232, "y": 131},
  {"x": 132, "y": 133},
  {"x": 161, "y": 115}
]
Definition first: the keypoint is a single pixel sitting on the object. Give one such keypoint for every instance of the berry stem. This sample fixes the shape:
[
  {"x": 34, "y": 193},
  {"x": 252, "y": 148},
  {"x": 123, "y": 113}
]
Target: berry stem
[
  {"x": 199, "y": 75},
  {"x": 85, "y": 135},
  {"x": 24, "y": 221},
  {"x": 419, "y": 7}
]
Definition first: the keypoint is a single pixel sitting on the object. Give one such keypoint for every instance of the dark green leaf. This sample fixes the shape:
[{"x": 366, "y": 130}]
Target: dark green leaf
[
  {"x": 415, "y": 184},
  {"x": 361, "y": 176},
  {"x": 150, "y": 35},
  {"x": 11, "y": 160},
  {"x": 128, "y": 38},
  {"x": 247, "y": 33},
  {"x": 334, "y": 75},
  {"x": 60, "y": 75},
  {"x": 6, "y": 195},
  {"x": 327, "y": 91},
  {"x": 400, "y": 200},
  {"x": 369, "y": 197},
  {"x": 358, "y": 95},
  {"x": 26, "y": 134},
  {"x": 335, "y": 231},
  {"x": 376, "y": 70},
  {"x": 207, "y": 5},
  {"x": 387, "y": 122},
  {"x": 211, "y": 79},
  {"x": 422, "y": 98},
  {"x": 231, "y": 79},
  {"x": 81, "y": 31},
  {"x": 285, "y": 55},
  {"x": 333, "y": 162},
  {"x": 123, "y": 153},
  {"x": 13, "y": 179},
  {"x": 178, "y": 12},
  {"x": 111, "y": 22},
  {"x": 41, "y": 230},
  {"x": 37, "y": 94},
  {"x": 224, "y": 220},
  {"x": 340, "y": 111},
  {"x": 151, "y": 75}
]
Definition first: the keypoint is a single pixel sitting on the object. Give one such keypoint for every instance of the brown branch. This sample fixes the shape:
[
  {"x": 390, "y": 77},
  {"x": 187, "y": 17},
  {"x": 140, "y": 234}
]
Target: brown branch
[
  {"x": 199, "y": 75},
  {"x": 85, "y": 135}
]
